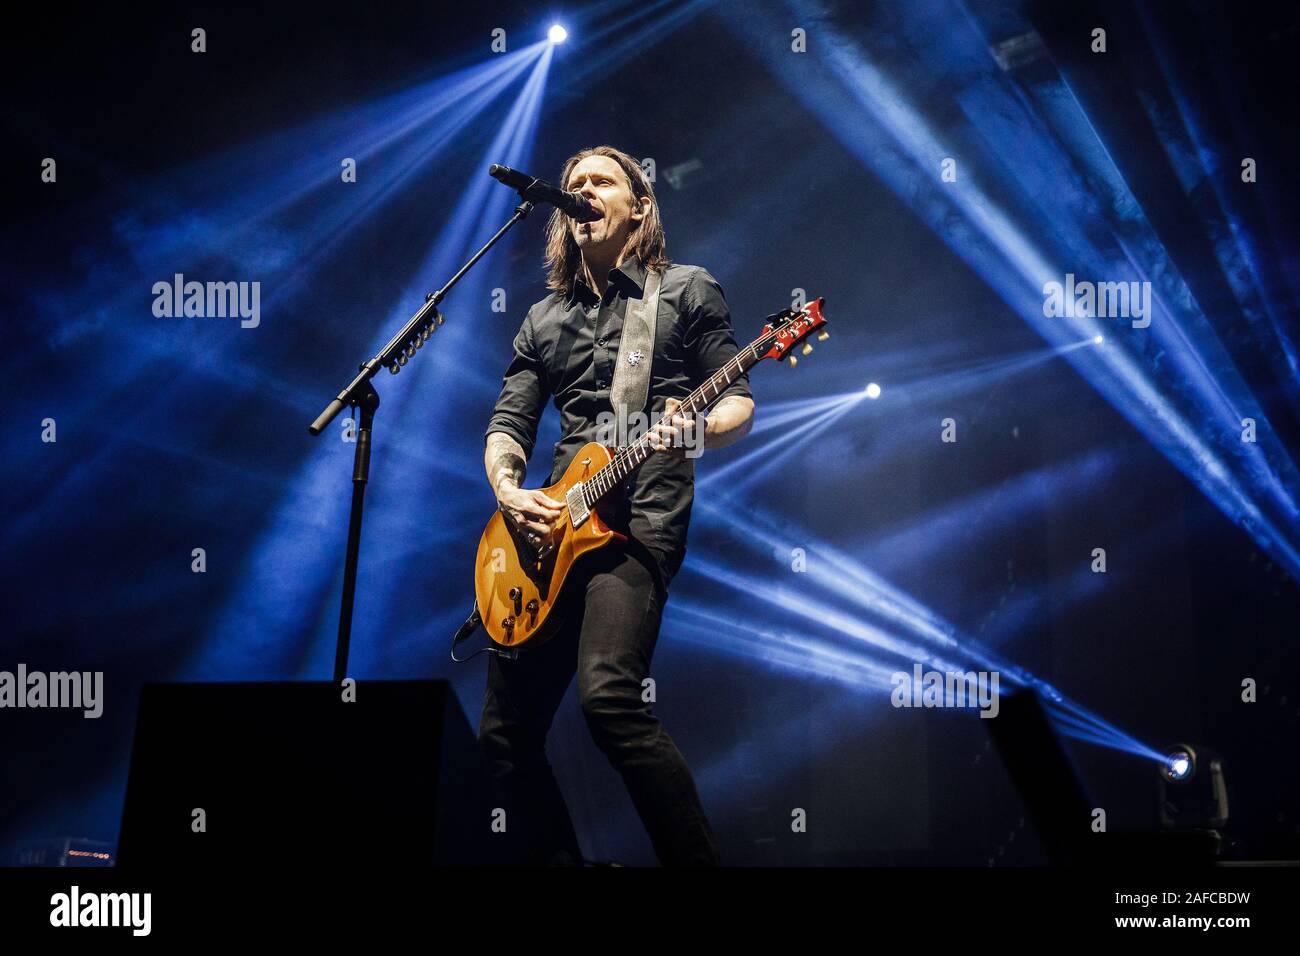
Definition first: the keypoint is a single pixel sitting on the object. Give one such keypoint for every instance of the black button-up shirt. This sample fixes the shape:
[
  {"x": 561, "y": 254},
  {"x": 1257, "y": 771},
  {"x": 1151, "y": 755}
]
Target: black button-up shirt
[{"x": 567, "y": 347}]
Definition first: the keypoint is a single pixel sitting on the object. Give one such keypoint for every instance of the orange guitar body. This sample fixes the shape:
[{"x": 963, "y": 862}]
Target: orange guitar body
[{"x": 518, "y": 585}]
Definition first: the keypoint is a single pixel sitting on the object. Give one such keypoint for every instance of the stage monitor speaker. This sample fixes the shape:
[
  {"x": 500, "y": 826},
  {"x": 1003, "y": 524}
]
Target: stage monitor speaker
[
  {"x": 238, "y": 774},
  {"x": 1053, "y": 795},
  {"x": 1058, "y": 804}
]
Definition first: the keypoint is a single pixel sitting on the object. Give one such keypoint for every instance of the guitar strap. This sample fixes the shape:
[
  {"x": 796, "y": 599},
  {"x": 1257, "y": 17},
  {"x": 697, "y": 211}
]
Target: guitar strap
[{"x": 636, "y": 349}]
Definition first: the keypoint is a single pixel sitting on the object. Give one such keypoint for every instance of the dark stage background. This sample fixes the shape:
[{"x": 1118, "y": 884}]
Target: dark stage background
[{"x": 844, "y": 540}]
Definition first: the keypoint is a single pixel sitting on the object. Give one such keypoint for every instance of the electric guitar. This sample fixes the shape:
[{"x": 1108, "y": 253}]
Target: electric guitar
[{"x": 517, "y": 583}]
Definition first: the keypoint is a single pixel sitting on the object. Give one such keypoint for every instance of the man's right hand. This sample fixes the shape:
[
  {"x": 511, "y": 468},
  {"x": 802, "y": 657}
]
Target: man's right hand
[{"x": 529, "y": 509}]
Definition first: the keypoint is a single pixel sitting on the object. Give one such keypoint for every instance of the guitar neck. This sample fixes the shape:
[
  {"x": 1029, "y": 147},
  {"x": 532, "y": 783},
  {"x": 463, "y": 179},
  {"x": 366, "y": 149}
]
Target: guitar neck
[{"x": 628, "y": 459}]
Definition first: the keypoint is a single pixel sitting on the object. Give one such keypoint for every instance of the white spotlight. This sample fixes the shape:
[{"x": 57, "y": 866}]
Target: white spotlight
[
  {"x": 872, "y": 390},
  {"x": 1098, "y": 340},
  {"x": 1180, "y": 764},
  {"x": 557, "y": 34}
]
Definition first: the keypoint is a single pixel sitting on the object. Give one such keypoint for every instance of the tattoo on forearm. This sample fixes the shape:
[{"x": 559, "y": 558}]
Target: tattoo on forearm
[
  {"x": 504, "y": 459},
  {"x": 729, "y": 402},
  {"x": 732, "y": 424}
]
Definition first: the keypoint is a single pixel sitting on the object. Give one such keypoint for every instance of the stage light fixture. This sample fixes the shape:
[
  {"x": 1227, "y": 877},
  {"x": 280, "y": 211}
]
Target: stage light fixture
[
  {"x": 872, "y": 390},
  {"x": 1099, "y": 340},
  {"x": 1179, "y": 765},
  {"x": 557, "y": 34},
  {"x": 1193, "y": 789}
]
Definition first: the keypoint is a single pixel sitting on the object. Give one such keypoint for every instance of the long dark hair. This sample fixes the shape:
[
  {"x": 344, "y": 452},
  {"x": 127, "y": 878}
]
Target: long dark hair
[{"x": 564, "y": 258}]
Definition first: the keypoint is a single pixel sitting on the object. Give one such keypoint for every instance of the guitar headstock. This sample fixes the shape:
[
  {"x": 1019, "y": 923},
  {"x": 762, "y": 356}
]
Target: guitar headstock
[{"x": 791, "y": 327}]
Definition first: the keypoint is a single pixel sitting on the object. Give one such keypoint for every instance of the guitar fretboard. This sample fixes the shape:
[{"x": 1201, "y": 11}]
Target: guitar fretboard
[{"x": 627, "y": 459}]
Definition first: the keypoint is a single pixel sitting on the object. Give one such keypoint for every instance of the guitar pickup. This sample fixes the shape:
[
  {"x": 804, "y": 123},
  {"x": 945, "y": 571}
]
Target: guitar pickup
[{"x": 578, "y": 511}]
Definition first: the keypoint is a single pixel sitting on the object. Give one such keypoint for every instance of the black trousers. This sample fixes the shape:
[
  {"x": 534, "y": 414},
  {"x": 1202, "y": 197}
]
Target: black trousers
[{"x": 611, "y": 615}]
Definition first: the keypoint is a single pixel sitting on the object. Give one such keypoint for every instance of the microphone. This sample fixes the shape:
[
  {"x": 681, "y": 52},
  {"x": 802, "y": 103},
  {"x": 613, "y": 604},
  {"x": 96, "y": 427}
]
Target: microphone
[{"x": 573, "y": 205}]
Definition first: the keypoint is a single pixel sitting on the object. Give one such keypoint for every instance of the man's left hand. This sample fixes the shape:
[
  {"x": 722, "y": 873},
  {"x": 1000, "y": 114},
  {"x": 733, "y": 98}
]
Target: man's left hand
[{"x": 676, "y": 433}]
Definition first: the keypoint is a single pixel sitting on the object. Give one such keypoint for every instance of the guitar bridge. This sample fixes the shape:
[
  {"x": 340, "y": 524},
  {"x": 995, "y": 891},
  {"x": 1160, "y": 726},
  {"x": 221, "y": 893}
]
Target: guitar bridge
[{"x": 578, "y": 510}]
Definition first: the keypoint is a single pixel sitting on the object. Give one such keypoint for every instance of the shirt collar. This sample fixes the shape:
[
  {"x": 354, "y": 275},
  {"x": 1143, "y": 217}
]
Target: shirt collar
[{"x": 628, "y": 278}]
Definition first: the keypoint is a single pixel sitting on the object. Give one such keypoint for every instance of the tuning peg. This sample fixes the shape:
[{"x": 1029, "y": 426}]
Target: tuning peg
[
  {"x": 793, "y": 361},
  {"x": 807, "y": 349},
  {"x": 824, "y": 336}
]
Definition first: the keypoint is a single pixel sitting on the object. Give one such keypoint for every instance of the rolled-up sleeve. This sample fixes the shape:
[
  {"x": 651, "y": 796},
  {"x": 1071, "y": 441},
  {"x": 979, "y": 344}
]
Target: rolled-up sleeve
[
  {"x": 523, "y": 392},
  {"x": 710, "y": 342}
]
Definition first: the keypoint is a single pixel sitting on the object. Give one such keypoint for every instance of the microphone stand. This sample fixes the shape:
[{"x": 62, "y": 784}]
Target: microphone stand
[{"x": 361, "y": 394}]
